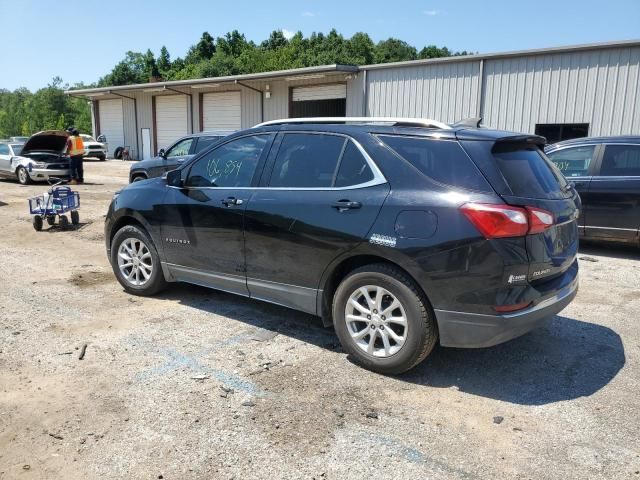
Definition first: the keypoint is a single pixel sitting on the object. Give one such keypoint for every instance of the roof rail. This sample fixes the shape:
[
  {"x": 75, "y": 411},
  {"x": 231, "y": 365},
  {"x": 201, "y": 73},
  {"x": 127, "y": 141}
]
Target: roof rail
[{"x": 396, "y": 121}]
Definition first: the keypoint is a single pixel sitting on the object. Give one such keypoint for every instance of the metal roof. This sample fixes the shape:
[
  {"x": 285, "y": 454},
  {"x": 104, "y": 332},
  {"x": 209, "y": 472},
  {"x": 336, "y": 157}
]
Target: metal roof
[
  {"x": 514, "y": 53},
  {"x": 301, "y": 72}
]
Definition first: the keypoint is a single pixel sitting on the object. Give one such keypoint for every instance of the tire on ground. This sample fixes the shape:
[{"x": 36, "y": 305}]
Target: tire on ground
[
  {"x": 117, "y": 153},
  {"x": 156, "y": 283},
  {"x": 422, "y": 332}
]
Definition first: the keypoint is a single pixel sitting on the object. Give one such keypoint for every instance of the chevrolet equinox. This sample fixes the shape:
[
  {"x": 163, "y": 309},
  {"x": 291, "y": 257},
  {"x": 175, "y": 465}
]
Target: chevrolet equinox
[{"x": 401, "y": 233}]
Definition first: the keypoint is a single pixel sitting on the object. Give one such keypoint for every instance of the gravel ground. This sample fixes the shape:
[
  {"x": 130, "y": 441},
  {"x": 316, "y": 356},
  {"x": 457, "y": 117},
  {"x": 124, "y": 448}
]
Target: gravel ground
[{"x": 200, "y": 384}]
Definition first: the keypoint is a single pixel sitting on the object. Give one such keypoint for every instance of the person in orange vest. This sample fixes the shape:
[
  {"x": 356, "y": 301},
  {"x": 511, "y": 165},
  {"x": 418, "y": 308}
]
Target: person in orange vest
[{"x": 75, "y": 150}]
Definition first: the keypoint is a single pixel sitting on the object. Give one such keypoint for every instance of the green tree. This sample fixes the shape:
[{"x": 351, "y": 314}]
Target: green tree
[
  {"x": 394, "y": 50},
  {"x": 164, "y": 62}
]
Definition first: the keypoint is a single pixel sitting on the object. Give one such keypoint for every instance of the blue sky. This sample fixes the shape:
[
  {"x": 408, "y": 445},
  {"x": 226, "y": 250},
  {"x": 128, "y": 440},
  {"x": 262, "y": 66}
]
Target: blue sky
[{"x": 37, "y": 38}]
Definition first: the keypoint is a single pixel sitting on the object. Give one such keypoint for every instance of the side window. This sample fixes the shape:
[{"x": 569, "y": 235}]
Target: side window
[
  {"x": 307, "y": 160},
  {"x": 4, "y": 149},
  {"x": 230, "y": 165},
  {"x": 441, "y": 160},
  {"x": 205, "y": 142},
  {"x": 180, "y": 149},
  {"x": 573, "y": 162},
  {"x": 621, "y": 160},
  {"x": 353, "y": 169}
]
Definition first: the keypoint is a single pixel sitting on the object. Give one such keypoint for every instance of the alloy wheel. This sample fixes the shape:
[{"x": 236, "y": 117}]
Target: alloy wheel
[
  {"x": 135, "y": 261},
  {"x": 376, "y": 321}
]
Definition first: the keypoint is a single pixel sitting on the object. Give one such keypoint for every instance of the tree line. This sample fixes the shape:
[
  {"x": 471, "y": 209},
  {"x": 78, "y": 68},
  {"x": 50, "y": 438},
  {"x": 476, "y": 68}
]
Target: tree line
[{"x": 23, "y": 112}]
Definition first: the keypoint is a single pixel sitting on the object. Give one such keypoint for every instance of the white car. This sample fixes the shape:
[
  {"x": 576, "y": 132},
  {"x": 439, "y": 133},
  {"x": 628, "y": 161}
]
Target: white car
[
  {"x": 42, "y": 157},
  {"x": 93, "y": 148}
]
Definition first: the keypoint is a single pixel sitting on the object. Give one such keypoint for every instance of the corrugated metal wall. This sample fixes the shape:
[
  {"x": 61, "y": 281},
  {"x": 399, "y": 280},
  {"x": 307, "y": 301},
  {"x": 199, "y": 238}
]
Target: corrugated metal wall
[
  {"x": 442, "y": 91},
  {"x": 598, "y": 87}
]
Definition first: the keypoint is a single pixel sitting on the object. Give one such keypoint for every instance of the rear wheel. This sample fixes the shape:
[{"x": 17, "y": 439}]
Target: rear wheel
[
  {"x": 51, "y": 220},
  {"x": 37, "y": 223},
  {"x": 135, "y": 262},
  {"x": 23, "y": 176},
  {"x": 383, "y": 320},
  {"x": 64, "y": 222},
  {"x": 75, "y": 217}
]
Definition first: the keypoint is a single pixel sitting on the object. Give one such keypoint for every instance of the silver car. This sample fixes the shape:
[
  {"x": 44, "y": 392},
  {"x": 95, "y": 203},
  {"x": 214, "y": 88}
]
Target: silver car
[{"x": 41, "y": 157}]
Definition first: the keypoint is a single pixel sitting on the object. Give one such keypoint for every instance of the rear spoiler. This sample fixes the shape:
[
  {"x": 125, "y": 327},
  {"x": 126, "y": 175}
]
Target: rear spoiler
[{"x": 514, "y": 140}]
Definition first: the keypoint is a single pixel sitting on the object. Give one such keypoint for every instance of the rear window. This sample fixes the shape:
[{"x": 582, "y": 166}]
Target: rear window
[
  {"x": 441, "y": 160},
  {"x": 528, "y": 172}
]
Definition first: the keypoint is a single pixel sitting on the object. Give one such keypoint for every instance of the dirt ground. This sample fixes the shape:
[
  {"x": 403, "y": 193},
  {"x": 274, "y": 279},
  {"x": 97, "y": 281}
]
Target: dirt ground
[{"x": 200, "y": 384}]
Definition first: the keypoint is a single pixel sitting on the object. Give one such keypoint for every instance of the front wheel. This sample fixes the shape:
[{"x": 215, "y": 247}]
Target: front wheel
[
  {"x": 23, "y": 176},
  {"x": 383, "y": 320},
  {"x": 135, "y": 262}
]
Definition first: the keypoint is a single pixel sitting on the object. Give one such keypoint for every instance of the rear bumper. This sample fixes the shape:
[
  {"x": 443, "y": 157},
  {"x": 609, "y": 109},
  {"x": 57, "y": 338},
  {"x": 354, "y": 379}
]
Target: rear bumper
[{"x": 472, "y": 330}]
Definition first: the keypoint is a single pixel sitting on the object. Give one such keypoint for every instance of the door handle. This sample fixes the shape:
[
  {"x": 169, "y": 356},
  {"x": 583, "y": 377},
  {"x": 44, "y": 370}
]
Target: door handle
[
  {"x": 343, "y": 205},
  {"x": 229, "y": 201}
]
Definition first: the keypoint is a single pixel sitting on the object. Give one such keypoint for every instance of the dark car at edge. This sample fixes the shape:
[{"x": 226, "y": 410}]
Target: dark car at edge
[
  {"x": 399, "y": 233},
  {"x": 606, "y": 173},
  {"x": 174, "y": 155}
]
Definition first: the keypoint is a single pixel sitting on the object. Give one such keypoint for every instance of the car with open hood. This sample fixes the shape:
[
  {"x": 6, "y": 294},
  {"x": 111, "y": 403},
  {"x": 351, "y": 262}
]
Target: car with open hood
[{"x": 43, "y": 156}]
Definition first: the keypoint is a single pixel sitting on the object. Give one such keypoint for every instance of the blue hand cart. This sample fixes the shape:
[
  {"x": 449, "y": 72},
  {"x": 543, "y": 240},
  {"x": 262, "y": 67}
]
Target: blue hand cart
[{"x": 55, "y": 203}]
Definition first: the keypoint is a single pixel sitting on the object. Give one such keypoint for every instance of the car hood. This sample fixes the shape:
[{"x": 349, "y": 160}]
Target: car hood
[{"x": 47, "y": 141}]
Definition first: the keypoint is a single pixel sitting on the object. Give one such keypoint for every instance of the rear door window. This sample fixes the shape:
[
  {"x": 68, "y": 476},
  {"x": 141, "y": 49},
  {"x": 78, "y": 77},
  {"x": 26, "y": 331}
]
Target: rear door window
[
  {"x": 4, "y": 149},
  {"x": 441, "y": 160},
  {"x": 528, "y": 172},
  {"x": 573, "y": 161},
  {"x": 307, "y": 160},
  {"x": 621, "y": 160}
]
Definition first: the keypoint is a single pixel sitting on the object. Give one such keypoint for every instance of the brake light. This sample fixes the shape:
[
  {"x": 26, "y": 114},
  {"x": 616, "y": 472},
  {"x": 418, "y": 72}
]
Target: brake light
[
  {"x": 539, "y": 220},
  {"x": 501, "y": 221},
  {"x": 497, "y": 221}
]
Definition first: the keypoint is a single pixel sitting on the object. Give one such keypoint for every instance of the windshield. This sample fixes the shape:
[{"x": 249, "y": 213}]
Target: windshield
[
  {"x": 87, "y": 138},
  {"x": 17, "y": 148}
]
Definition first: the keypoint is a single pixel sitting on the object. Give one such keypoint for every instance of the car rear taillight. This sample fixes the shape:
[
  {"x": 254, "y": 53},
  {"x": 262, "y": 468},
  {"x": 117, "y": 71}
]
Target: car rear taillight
[
  {"x": 539, "y": 220},
  {"x": 501, "y": 221}
]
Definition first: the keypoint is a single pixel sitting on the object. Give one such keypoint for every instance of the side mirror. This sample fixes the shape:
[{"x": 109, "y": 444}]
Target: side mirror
[
  {"x": 162, "y": 153},
  {"x": 174, "y": 178}
]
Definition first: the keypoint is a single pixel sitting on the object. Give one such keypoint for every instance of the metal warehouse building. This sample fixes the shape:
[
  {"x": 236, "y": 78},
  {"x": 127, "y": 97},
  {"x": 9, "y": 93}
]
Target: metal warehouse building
[{"x": 559, "y": 92}]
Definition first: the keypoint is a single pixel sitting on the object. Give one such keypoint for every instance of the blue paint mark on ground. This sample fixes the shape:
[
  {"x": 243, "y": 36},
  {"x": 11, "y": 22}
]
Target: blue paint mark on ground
[{"x": 173, "y": 360}]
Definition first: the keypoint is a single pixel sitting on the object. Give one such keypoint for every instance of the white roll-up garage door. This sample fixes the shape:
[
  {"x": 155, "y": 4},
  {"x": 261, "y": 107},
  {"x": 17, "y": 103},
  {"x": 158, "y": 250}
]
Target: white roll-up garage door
[
  {"x": 319, "y": 92},
  {"x": 111, "y": 123},
  {"x": 171, "y": 119},
  {"x": 221, "y": 111}
]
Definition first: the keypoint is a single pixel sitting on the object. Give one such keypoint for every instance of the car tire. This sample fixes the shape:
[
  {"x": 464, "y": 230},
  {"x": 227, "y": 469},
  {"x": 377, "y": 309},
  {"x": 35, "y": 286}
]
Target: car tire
[
  {"x": 138, "y": 178},
  {"x": 102, "y": 158},
  {"x": 117, "y": 153},
  {"x": 75, "y": 217},
  {"x": 23, "y": 176},
  {"x": 134, "y": 243},
  {"x": 405, "y": 345}
]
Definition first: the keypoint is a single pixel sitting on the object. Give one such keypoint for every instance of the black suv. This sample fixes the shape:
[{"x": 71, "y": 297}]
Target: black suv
[
  {"x": 399, "y": 233},
  {"x": 606, "y": 173},
  {"x": 178, "y": 152}
]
